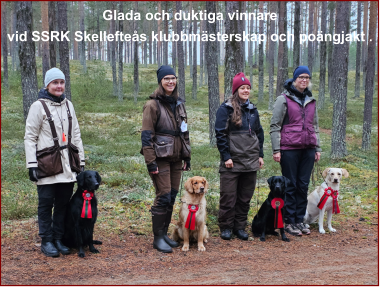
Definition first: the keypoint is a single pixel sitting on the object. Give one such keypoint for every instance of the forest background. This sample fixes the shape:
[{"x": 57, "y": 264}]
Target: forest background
[{"x": 109, "y": 82}]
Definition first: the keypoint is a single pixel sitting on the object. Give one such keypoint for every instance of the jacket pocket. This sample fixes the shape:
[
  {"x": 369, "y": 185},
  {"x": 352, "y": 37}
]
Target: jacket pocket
[
  {"x": 163, "y": 145},
  {"x": 291, "y": 135},
  {"x": 186, "y": 149},
  {"x": 49, "y": 161},
  {"x": 311, "y": 137},
  {"x": 74, "y": 158}
]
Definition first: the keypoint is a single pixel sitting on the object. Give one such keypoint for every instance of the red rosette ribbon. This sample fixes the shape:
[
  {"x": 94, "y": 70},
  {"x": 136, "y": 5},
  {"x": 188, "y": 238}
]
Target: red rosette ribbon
[
  {"x": 328, "y": 192},
  {"x": 334, "y": 196},
  {"x": 190, "y": 221},
  {"x": 278, "y": 203},
  {"x": 86, "y": 209}
]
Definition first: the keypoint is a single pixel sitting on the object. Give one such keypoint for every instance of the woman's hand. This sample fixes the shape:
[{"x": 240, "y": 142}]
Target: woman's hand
[
  {"x": 229, "y": 163},
  {"x": 154, "y": 172},
  {"x": 261, "y": 162},
  {"x": 317, "y": 156},
  {"x": 277, "y": 156}
]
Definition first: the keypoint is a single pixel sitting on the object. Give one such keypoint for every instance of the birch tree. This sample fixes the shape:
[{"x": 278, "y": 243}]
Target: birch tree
[{"x": 181, "y": 57}]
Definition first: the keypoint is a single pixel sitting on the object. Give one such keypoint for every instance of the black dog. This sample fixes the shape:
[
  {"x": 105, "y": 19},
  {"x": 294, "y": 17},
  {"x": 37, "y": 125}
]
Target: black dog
[
  {"x": 265, "y": 220},
  {"x": 81, "y": 216}
]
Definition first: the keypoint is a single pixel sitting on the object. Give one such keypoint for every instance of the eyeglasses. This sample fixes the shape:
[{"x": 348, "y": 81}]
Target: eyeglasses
[
  {"x": 304, "y": 78},
  {"x": 173, "y": 79}
]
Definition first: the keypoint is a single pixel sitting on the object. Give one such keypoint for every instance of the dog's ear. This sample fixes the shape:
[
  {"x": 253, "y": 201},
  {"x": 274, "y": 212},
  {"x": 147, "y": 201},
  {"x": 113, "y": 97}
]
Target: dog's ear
[
  {"x": 80, "y": 179},
  {"x": 324, "y": 173},
  {"x": 270, "y": 180},
  {"x": 189, "y": 185},
  {"x": 98, "y": 178},
  {"x": 205, "y": 183},
  {"x": 287, "y": 181},
  {"x": 345, "y": 172}
]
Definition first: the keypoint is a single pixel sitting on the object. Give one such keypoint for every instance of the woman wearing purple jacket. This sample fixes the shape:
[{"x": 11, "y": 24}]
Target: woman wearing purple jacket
[{"x": 294, "y": 134}]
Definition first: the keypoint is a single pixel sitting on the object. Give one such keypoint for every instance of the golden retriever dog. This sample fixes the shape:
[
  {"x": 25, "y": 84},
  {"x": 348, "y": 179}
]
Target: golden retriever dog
[
  {"x": 193, "y": 199},
  {"x": 332, "y": 176}
]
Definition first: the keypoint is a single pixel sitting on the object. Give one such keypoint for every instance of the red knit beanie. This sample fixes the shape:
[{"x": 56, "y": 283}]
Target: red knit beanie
[{"x": 238, "y": 81}]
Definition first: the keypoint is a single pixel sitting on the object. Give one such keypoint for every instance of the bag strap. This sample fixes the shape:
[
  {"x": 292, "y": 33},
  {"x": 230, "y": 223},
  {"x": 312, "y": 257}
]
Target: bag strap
[
  {"x": 70, "y": 121},
  {"x": 51, "y": 123}
]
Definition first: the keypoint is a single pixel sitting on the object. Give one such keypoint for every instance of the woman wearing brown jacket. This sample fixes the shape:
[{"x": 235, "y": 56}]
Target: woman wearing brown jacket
[{"x": 165, "y": 144}]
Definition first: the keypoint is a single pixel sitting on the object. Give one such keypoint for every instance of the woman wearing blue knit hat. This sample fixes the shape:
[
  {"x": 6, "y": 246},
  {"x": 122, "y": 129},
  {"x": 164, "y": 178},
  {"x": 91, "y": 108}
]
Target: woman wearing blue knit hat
[
  {"x": 294, "y": 134},
  {"x": 51, "y": 128},
  {"x": 166, "y": 149}
]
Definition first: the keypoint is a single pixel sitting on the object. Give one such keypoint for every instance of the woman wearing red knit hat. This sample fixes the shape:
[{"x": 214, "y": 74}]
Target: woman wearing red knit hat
[{"x": 240, "y": 139}]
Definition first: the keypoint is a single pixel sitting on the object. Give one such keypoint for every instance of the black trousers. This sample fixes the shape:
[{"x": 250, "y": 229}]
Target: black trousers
[
  {"x": 297, "y": 166},
  {"x": 51, "y": 196},
  {"x": 236, "y": 191}
]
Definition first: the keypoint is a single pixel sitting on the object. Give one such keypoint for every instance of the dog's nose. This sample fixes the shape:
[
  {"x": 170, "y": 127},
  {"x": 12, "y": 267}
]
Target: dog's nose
[
  {"x": 335, "y": 180},
  {"x": 96, "y": 185},
  {"x": 202, "y": 189}
]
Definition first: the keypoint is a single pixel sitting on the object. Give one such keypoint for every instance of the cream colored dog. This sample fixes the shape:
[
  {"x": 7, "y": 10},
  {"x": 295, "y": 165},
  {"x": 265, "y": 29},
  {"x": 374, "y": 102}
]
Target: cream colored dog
[
  {"x": 332, "y": 176},
  {"x": 194, "y": 196}
]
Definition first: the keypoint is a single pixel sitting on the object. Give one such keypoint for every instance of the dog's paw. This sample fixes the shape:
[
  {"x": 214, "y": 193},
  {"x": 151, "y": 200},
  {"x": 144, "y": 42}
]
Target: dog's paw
[
  {"x": 332, "y": 229},
  {"x": 286, "y": 239},
  {"x": 322, "y": 231},
  {"x": 274, "y": 233},
  {"x": 81, "y": 254},
  {"x": 205, "y": 240},
  {"x": 201, "y": 248},
  {"x": 94, "y": 250},
  {"x": 262, "y": 238},
  {"x": 185, "y": 248}
]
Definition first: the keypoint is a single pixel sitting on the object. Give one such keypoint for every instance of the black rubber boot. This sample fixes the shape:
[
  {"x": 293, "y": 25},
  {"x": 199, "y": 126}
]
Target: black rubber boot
[
  {"x": 61, "y": 248},
  {"x": 169, "y": 241},
  {"x": 158, "y": 222},
  {"x": 48, "y": 248}
]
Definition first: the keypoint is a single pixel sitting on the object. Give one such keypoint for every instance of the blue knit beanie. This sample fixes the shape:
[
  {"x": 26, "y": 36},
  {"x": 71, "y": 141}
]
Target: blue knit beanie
[
  {"x": 164, "y": 71},
  {"x": 53, "y": 74},
  {"x": 299, "y": 71}
]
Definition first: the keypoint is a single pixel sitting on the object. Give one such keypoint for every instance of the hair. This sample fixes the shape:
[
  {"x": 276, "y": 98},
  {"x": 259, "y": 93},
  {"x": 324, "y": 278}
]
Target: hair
[
  {"x": 236, "y": 114},
  {"x": 160, "y": 91}
]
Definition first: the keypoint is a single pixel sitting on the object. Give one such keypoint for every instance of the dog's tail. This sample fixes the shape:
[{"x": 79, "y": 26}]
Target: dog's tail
[
  {"x": 97, "y": 242},
  {"x": 175, "y": 235}
]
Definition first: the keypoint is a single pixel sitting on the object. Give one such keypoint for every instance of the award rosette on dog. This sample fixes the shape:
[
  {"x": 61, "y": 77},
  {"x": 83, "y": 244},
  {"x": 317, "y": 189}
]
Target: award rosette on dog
[
  {"x": 334, "y": 194},
  {"x": 278, "y": 203},
  {"x": 190, "y": 221},
  {"x": 86, "y": 209}
]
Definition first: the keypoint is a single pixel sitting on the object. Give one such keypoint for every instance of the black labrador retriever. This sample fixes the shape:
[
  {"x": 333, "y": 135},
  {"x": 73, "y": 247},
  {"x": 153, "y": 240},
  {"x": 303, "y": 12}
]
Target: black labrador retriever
[
  {"x": 270, "y": 213},
  {"x": 82, "y": 213}
]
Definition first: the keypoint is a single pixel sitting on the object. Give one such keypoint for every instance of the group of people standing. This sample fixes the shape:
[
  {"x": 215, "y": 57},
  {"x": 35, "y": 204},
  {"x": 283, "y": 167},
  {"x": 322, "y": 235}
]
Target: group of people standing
[
  {"x": 166, "y": 149},
  {"x": 240, "y": 138}
]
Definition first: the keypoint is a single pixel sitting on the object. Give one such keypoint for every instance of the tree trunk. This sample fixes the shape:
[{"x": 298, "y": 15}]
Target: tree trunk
[
  {"x": 136, "y": 61},
  {"x": 14, "y": 45},
  {"x": 340, "y": 62},
  {"x": 83, "y": 43},
  {"x": 181, "y": 57},
  {"x": 213, "y": 76},
  {"x": 358, "y": 51},
  {"x": 201, "y": 53},
  {"x": 322, "y": 71},
  {"x": 121, "y": 48},
  {"x": 27, "y": 52},
  {"x": 233, "y": 61},
  {"x": 364, "y": 51},
  {"x": 261, "y": 57},
  {"x": 98, "y": 29},
  {"x": 45, "y": 45},
  {"x": 194, "y": 90},
  {"x": 4, "y": 42},
  {"x": 271, "y": 58},
  {"x": 64, "y": 47},
  {"x": 190, "y": 43},
  {"x": 371, "y": 59},
  {"x": 297, "y": 30},
  {"x": 330, "y": 46},
  {"x": 282, "y": 66},
  {"x": 310, "y": 54},
  {"x": 113, "y": 53},
  {"x": 250, "y": 47}
]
